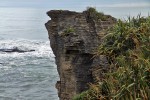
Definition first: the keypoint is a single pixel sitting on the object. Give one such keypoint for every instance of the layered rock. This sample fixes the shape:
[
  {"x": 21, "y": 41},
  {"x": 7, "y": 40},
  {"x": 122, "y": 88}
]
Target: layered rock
[{"x": 74, "y": 37}]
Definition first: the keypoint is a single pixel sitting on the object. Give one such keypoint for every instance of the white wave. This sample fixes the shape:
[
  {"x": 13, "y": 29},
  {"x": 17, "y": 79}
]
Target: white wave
[
  {"x": 40, "y": 47},
  {"x": 42, "y": 50}
]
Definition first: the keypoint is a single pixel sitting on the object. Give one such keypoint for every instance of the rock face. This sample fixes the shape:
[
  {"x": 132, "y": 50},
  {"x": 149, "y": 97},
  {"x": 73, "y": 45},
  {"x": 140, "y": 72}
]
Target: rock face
[{"x": 73, "y": 38}]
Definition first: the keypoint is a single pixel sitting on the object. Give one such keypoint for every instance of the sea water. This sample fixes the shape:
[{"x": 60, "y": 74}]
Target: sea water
[
  {"x": 32, "y": 75},
  {"x": 29, "y": 75}
]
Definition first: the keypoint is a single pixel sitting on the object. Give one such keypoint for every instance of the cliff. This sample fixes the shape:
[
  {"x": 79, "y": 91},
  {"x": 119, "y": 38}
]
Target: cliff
[{"x": 73, "y": 38}]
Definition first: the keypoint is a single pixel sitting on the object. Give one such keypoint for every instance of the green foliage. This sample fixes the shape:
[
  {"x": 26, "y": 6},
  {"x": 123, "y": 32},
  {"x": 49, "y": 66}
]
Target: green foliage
[
  {"x": 68, "y": 31},
  {"x": 81, "y": 96},
  {"x": 127, "y": 47},
  {"x": 96, "y": 15},
  {"x": 92, "y": 94}
]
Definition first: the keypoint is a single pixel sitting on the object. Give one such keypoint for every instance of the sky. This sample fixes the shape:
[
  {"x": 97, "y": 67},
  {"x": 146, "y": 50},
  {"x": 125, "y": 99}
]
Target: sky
[
  {"x": 109, "y": 6},
  {"x": 74, "y": 3}
]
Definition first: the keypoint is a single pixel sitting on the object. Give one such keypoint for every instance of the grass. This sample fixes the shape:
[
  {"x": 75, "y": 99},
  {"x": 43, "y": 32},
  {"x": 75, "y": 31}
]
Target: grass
[
  {"x": 68, "y": 31},
  {"x": 93, "y": 13},
  {"x": 127, "y": 47}
]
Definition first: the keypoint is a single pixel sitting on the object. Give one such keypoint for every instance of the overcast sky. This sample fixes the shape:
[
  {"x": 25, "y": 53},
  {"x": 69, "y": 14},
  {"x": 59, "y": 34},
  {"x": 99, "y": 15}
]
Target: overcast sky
[
  {"x": 56, "y": 4},
  {"x": 125, "y": 7}
]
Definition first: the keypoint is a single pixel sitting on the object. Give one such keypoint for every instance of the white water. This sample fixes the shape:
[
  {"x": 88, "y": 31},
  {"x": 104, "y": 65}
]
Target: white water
[{"x": 28, "y": 75}]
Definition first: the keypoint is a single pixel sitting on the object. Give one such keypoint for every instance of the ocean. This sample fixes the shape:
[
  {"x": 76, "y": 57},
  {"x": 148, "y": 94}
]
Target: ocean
[
  {"x": 28, "y": 75},
  {"x": 32, "y": 75}
]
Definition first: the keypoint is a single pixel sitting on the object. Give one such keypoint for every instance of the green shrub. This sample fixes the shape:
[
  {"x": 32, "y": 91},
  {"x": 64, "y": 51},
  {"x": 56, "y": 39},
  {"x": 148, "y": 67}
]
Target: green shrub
[
  {"x": 81, "y": 96},
  {"x": 127, "y": 47},
  {"x": 93, "y": 13},
  {"x": 68, "y": 31},
  {"x": 92, "y": 94}
]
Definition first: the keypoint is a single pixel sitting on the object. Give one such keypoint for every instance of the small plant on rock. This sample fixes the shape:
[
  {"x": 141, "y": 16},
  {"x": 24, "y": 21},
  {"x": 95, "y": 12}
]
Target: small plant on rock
[{"x": 68, "y": 31}]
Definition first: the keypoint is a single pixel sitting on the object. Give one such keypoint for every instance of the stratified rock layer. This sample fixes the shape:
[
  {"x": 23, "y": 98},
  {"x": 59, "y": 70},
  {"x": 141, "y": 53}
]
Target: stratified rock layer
[{"x": 73, "y": 38}]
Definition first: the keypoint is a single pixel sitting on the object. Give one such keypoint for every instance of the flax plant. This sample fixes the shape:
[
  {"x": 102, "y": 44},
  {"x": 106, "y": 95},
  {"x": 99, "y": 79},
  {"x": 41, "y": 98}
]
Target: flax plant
[{"x": 127, "y": 47}]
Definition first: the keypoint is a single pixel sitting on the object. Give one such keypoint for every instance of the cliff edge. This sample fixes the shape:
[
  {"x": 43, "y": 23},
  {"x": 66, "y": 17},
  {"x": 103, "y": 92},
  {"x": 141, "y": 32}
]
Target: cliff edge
[{"x": 73, "y": 38}]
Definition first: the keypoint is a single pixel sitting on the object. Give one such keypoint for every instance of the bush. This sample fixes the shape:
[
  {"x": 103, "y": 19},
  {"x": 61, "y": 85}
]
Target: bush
[
  {"x": 127, "y": 47},
  {"x": 68, "y": 31},
  {"x": 93, "y": 13}
]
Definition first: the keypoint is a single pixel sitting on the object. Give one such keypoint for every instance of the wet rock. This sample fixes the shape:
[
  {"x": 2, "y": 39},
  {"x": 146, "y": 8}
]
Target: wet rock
[{"x": 15, "y": 50}]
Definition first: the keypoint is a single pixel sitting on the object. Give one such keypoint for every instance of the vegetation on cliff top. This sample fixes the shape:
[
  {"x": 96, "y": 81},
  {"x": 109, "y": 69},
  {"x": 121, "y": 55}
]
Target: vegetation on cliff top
[
  {"x": 94, "y": 14},
  {"x": 127, "y": 47}
]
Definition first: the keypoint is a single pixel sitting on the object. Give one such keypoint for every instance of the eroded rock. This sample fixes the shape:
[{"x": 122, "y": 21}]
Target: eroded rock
[{"x": 74, "y": 37}]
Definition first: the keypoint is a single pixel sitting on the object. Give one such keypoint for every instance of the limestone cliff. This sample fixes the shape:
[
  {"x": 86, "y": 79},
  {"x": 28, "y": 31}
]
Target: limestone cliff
[{"x": 73, "y": 38}]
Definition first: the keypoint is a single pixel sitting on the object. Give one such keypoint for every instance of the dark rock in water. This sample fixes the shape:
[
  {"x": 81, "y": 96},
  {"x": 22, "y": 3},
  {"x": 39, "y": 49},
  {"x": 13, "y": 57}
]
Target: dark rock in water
[
  {"x": 15, "y": 50},
  {"x": 73, "y": 38}
]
